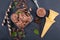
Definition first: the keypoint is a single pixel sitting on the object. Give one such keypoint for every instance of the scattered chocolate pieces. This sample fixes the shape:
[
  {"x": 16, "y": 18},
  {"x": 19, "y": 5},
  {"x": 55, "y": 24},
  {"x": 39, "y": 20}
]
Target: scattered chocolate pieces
[{"x": 37, "y": 20}]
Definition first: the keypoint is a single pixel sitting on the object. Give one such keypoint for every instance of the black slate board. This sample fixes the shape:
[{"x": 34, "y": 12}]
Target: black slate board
[{"x": 52, "y": 34}]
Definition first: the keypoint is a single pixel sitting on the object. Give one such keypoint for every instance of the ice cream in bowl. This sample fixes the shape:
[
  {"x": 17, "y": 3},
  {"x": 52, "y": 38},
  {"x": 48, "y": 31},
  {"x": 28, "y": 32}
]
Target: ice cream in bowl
[{"x": 21, "y": 18}]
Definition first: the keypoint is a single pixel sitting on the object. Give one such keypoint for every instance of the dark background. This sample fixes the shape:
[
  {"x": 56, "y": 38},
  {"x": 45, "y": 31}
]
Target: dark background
[{"x": 52, "y": 34}]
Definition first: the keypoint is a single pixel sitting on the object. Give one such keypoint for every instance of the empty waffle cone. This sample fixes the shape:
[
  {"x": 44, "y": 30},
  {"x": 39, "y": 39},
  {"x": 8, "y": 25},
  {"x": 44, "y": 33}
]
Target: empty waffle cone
[
  {"x": 47, "y": 25},
  {"x": 53, "y": 14}
]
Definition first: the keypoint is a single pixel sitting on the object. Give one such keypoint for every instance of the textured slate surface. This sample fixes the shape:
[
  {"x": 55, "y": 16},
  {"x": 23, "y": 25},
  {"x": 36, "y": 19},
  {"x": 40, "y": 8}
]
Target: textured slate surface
[{"x": 52, "y": 34}]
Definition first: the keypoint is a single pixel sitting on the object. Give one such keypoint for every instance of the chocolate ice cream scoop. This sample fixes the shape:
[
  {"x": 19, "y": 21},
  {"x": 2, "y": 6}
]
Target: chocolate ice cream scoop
[{"x": 41, "y": 12}]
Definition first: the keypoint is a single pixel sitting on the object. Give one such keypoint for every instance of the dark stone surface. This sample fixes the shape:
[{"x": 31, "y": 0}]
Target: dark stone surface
[{"x": 52, "y": 34}]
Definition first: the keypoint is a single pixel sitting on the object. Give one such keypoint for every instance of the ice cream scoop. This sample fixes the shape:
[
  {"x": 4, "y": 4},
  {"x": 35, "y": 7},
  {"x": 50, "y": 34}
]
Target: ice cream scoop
[{"x": 41, "y": 12}]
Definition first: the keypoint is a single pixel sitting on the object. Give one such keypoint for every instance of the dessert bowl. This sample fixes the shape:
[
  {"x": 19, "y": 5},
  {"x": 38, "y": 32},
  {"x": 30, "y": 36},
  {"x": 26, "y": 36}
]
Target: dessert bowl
[{"x": 21, "y": 18}]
